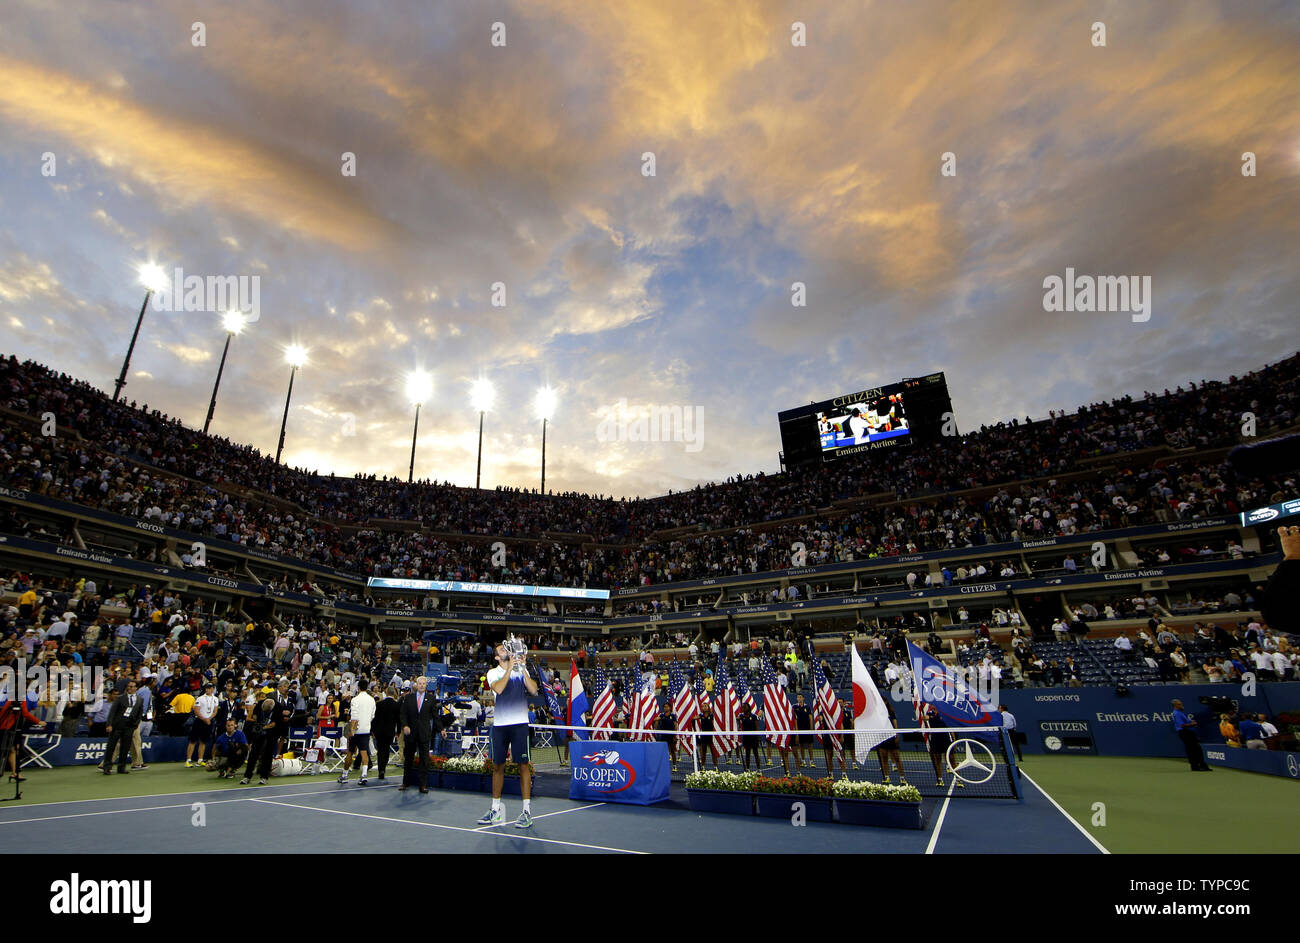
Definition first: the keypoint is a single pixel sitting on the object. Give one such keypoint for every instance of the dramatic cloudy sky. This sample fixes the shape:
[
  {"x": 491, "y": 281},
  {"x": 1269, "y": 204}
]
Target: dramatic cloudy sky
[{"x": 523, "y": 164}]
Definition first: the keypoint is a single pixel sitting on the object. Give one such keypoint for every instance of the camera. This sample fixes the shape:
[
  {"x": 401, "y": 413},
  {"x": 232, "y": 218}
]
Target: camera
[{"x": 1219, "y": 704}]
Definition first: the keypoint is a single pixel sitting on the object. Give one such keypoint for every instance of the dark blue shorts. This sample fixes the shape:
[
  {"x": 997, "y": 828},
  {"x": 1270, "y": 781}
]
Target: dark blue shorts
[{"x": 512, "y": 737}]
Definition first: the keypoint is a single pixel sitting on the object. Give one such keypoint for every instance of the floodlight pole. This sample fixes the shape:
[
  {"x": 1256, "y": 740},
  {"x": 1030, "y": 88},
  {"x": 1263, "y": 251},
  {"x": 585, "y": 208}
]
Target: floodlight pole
[
  {"x": 478, "y": 469},
  {"x": 410, "y": 475},
  {"x": 292, "y": 372},
  {"x": 543, "y": 455},
  {"x": 126, "y": 364},
  {"x": 212, "y": 406}
]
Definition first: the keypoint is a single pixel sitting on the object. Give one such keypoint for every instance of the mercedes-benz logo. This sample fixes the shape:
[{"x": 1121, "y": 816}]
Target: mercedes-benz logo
[
  {"x": 969, "y": 762},
  {"x": 1293, "y": 765}
]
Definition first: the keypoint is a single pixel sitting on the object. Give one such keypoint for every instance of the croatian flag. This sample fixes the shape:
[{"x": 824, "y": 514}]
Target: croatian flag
[{"x": 577, "y": 703}]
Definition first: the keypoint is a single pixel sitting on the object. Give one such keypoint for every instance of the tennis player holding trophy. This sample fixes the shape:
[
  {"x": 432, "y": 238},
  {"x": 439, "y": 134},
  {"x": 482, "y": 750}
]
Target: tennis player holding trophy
[{"x": 511, "y": 683}]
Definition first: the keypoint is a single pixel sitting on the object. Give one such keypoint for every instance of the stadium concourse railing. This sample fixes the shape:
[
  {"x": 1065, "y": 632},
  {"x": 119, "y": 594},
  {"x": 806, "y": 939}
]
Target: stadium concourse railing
[{"x": 849, "y": 603}]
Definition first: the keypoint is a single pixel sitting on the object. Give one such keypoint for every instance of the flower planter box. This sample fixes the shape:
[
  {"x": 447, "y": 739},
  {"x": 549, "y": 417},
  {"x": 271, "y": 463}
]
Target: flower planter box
[
  {"x": 880, "y": 812},
  {"x": 478, "y": 782},
  {"x": 469, "y": 782},
  {"x": 718, "y": 800},
  {"x": 780, "y": 806}
]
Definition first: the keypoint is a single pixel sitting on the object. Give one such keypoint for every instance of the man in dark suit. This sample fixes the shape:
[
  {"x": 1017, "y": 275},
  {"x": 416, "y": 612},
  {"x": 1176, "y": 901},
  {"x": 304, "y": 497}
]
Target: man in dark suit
[
  {"x": 123, "y": 717},
  {"x": 418, "y": 712},
  {"x": 384, "y": 728}
]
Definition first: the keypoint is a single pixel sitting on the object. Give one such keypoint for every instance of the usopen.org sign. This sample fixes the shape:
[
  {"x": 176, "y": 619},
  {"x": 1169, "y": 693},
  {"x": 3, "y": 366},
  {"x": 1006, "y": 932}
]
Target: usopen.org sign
[{"x": 605, "y": 771}]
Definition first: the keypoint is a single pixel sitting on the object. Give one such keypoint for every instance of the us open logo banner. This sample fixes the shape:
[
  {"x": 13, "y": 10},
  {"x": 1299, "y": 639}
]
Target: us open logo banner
[
  {"x": 605, "y": 770},
  {"x": 956, "y": 701}
]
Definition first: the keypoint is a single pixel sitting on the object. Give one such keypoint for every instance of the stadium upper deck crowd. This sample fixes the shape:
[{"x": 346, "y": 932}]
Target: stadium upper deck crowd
[{"x": 147, "y": 465}]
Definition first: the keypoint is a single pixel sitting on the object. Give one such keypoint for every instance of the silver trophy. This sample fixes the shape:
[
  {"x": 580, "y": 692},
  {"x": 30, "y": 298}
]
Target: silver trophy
[{"x": 517, "y": 650}]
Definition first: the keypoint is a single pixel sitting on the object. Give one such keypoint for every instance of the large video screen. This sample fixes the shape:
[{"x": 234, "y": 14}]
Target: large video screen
[
  {"x": 882, "y": 417},
  {"x": 863, "y": 419}
]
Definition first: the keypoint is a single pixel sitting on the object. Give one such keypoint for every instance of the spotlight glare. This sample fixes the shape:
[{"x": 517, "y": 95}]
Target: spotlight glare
[
  {"x": 482, "y": 394},
  {"x": 153, "y": 277},
  {"x": 419, "y": 386},
  {"x": 233, "y": 321},
  {"x": 544, "y": 404}
]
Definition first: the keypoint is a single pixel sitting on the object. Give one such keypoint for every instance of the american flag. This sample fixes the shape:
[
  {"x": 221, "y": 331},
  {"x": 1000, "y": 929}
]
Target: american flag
[
  {"x": 746, "y": 695},
  {"x": 779, "y": 714},
  {"x": 602, "y": 715},
  {"x": 702, "y": 696},
  {"x": 829, "y": 716},
  {"x": 645, "y": 709},
  {"x": 725, "y": 710},
  {"x": 687, "y": 708}
]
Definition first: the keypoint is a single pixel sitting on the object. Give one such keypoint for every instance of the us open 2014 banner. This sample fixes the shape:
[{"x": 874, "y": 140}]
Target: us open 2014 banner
[{"x": 609, "y": 771}]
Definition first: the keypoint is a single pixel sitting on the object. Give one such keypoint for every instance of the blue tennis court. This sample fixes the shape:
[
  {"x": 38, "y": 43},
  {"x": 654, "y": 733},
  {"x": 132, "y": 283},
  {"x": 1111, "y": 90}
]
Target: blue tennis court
[{"x": 324, "y": 817}]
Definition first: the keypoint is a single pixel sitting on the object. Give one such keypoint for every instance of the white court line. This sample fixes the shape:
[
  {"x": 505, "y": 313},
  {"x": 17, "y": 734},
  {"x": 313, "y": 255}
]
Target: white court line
[
  {"x": 163, "y": 795},
  {"x": 544, "y": 815},
  {"x": 938, "y": 824},
  {"x": 152, "y": 808},
  {"x": 453, "y": 828},
  {"x": 1086, "y": 833}
]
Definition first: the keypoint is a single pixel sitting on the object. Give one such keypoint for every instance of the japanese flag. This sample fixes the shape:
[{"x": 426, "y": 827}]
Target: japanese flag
[{"x": 870, "y": 715}]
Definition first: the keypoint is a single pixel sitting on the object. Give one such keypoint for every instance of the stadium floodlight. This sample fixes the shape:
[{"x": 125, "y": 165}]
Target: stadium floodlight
[
  {"x": 419, "y": 387},
  {"x": 233, "y": 321},
  {"x": 295, "y": 356},
  {"x": 154, "y": 278},
  {"x": 544, "y": 407},
  {"x": 544, "y": 403},
  {"x": 481, "y": 395}
]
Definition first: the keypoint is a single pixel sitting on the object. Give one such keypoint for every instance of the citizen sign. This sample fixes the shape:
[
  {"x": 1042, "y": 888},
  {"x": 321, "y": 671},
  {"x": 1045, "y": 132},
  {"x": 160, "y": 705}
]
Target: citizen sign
[{"x": 980, "y": 588}]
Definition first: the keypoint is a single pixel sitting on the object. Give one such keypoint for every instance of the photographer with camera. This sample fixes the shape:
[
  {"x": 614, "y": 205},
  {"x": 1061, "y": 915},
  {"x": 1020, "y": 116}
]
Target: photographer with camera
[{"x": 512, "y": 684}]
